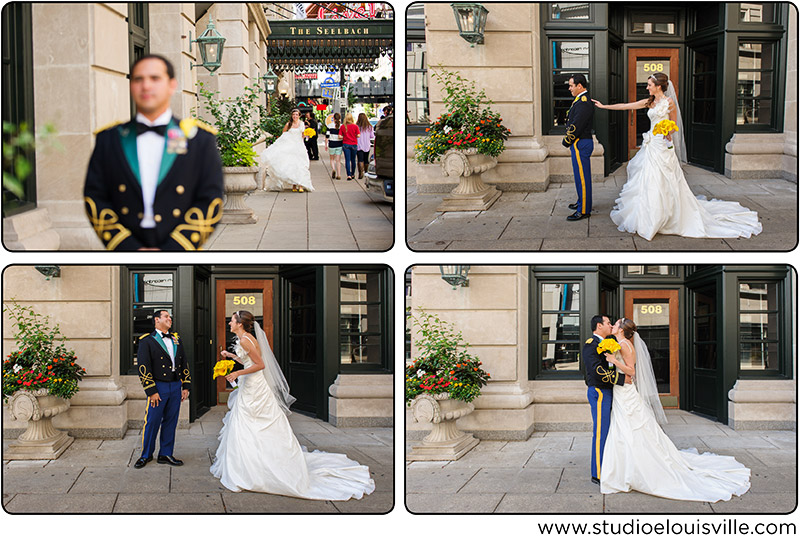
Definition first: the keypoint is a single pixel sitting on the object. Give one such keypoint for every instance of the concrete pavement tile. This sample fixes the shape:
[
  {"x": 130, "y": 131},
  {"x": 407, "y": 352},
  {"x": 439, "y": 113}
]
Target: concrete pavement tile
[
  {"x": 488, "y": 459},
  {"x": 544, "y": 504},
  {"x": 426, "y": 464},
  {"x": 376, "y": 503},
  {"x": 382, "y": 455},
  {"x": 766, "y": 241},
  {"x": 61, "y": 504},
  {"x": 428, "y": 245},
  {"x": 675, "y": 242},
  {"x": 577, "y": 480},
  {"x": 764, "y": 503},
  {"x": 24, "y": 464},
  {"x": 326, "y": 441},
  {"x": 121, "y": 480},
  {"x": 593, "y": 243},
  {"x": 490, "y": 446},
  {"x": 640, "y": 503},
  {"x": 555, "y": 442},
  {"x": 263, "y": 503},
  {"x": 48, "y": 479},
  {"x": 773, "y": 479},
  {"x": 184, "y": 503},
  {"x": 682, "y": 443},
  {"x": 501, "y": 245},
  {"x": 85, "y": 444},
  {"x": 194, "y": 480},
  {"x": 463, "y": 229},
  {"x": 730, "y": 443},
  {"x": 559, "y": 459},
  {"x": 527, "y": 227},
  {"x": 437, "y": 480},
  {"x": 418, "y": 503},
  {"x": 513, "y": 480},
  {"x": 693, "y": 430},
  {"x": 784, "y": 439},
  {"x": 527, "y": 446},
  {"x": 536, "y": 207}
]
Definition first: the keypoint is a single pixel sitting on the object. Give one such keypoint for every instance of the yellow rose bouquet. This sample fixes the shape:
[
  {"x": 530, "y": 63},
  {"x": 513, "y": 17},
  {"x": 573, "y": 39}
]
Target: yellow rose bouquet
[
  {"x": 608, "y": 346},
  {"x": 664, "y": 127},
  {"x": 309, "y": 132},
  {"x": 223, "y": 368}
]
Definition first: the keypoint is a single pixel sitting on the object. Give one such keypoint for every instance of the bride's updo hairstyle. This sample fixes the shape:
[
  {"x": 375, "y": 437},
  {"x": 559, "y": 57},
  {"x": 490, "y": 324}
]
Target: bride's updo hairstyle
[
  {"x": 246, "y": 319},
  {"x": 628, "y": 327},
  {"x": 660, "y": 80}
]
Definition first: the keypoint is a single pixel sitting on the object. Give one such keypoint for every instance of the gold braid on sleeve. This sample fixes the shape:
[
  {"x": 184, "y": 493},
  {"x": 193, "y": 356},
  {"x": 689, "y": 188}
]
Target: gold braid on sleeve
[
  {"x": 199, "y": 226},
  {"x": 146, "y": 378},
  {"x": 570, "y": 137},
  {"x": 106, "y": 225}
]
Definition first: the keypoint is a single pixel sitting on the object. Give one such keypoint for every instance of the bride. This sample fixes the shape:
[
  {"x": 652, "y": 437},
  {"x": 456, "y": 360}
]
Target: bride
[
  {"x": 286, "y": 159},
  {"x": 638, "y": 454},
  {"x": 656, "y": 197},
  {"x": 258, "y": 450}
]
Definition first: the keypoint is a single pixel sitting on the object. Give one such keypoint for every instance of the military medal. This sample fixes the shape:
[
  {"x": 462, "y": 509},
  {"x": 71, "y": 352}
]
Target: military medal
[{"x": 176, "y": 142}]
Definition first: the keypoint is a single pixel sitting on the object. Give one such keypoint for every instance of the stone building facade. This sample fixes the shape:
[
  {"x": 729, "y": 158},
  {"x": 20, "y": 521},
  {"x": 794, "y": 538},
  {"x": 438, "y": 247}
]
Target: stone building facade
[
  {"x": 722, "y": 339},
  {"x": 734, "y": 65},
  {"x": 329, "y": 326}
]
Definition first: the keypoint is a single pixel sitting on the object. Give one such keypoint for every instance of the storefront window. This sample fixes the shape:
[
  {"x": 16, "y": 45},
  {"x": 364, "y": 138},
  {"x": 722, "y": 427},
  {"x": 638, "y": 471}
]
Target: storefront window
[
  {"x": 650, "y": 270},
  {"x": 360, "y": 316},
  {"x": 149, "y": 291},
  {"x": 757, "y": 12},
  {"x": 417, "y": 106},
  {"x": 755, "y": 84},
  {"x": 758, "y": 326},
  {"x": 652, "y": 22},
  {"x": 560, "y": 326},
  {"x": 568, "y": 58},
  {"x": 570, "y": 11},
  {"x": 704, "y": 322}
]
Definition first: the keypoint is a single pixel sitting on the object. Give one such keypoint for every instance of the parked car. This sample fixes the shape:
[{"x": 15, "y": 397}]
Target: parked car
[{"x": 380, "y": 173}]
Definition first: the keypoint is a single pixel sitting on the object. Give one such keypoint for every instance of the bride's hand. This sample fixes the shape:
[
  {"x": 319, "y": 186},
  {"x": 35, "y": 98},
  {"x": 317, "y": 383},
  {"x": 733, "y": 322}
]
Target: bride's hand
[
  {"x": 668, "y": 137},
  {"x": 598, "y": 104},
  {"x": 226, "y": 354},
  {"x": 611, "y": 359},
  {"x": 232, "y": 377}
]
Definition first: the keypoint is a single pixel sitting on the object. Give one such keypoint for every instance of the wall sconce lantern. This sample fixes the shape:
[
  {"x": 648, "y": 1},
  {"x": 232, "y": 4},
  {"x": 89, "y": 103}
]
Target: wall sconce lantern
[
  {"x": 471, "y": 20},
  {"x": 211, "y": 47},
  {"x": 270, "y": 82},
  {"x": 455, "y": 275},
  {"x": 49, "y": 271}
]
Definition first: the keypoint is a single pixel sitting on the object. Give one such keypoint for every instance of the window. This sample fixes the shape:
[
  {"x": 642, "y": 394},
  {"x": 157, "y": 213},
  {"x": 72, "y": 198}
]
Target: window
[
  {"x": 653, "y": 23},
  {"x": 417, "y": 106},
  {"x": 572, "y": 11},
  {"x": 650, "y": 270},
  {"x": 759, "y": 324},
  {"x": 704, "y": 83},
  {"x": 704, "y": 326},
  {"x": 755, "y": 84},
  {"x": 560, "y": 331},
  {"x": 757, "y": 12},
  {"x": 361, "y": 315},
  {"x": 149, "y": 290},
  {"x": 138, "y": 35},
  {"x": 568, "y": 58}
]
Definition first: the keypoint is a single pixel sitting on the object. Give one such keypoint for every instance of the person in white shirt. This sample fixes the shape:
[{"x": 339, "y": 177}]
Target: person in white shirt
[{"x": 155, "y": 182}]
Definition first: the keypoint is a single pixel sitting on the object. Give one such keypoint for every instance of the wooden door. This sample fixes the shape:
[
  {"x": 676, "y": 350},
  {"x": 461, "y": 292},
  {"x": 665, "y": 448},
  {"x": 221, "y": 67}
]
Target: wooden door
[{"x": 642, "y": 63}]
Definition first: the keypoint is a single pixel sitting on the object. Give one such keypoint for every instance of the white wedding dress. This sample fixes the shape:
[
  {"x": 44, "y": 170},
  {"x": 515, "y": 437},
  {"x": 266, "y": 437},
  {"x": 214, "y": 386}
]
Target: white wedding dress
[
  {"x": 258, "y": 450},
  {"x": 657, "y": 199},
  {"x": 639, "y": 456},
  {"x": 287, "y": 162}
]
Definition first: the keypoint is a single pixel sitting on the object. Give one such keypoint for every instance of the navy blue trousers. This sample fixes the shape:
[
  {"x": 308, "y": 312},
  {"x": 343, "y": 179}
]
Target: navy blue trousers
[
  {"x": 581, "y": 152},
  {"x": 600, "y": 402},
  {"x": 163, "y": 417}
]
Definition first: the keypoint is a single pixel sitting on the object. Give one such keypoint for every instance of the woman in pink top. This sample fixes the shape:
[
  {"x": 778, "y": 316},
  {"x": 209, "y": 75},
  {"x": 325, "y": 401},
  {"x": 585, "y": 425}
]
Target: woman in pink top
[
  {"x": 364, "y": 143},
  {"x": 350, "y": 133}
]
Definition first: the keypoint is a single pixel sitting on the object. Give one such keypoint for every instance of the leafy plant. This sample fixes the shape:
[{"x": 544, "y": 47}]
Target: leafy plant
[
  {"x": 443, "y": 364},
  {"x": 469, "y": 121},
  {"x": 241, "y": 154},
  {"x": 42, "y": 359},
  {"x": 19, "y": 143}
]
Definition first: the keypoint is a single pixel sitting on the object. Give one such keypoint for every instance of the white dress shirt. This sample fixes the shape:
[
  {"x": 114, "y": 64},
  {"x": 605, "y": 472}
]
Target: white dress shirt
[{"x": 150, "y": 150}]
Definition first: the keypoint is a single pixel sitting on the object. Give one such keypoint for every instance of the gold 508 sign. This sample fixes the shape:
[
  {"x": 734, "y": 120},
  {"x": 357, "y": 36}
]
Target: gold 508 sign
[
  {"x": 654, "y": 67},
  {"x": 651, "y": 309},
  {"x": 244, "y": 300}
]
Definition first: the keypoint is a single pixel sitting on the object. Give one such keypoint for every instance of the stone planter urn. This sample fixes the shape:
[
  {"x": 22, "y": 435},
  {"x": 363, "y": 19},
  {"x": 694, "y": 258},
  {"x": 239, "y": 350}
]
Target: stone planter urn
[
  {"x": 445, "y": 442},
  {"x": 471, "y": 194},
  {"x": 238, "y": 182},
  {"x": 41, "y": 440}
]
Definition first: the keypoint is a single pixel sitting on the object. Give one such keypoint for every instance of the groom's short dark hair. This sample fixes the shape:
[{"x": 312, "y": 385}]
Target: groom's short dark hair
[
  {"x": 597, "y": 319},
  {"x": 579, "y": 79},
  {"x": 157, "y": 314}
]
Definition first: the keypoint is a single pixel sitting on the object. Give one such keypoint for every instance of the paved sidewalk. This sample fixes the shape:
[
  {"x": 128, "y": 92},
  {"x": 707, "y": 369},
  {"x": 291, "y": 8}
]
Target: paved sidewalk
[
  {"x": 537, "y": 220},
  {"x": 97, "y": 476},
  {"x": 549, "y": 473},
  {"x": 337, "y": 215}
]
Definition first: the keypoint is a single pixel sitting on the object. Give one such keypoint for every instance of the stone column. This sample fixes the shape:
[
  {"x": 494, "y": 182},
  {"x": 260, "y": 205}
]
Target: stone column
[
  {"x": 790, "y": 111},
  {"x": 361, "y": 401},
  {"x": 80, "y": 67},
  {"x": 758, "y": 405},
  {"x": 170, "y": 25},
  {"x": 492, "y": 313},
  {"x": 84, "y": 302}
]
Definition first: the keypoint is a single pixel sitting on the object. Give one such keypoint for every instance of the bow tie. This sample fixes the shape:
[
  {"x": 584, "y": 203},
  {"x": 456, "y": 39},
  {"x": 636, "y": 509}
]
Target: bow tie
[
  {"x": 166, "y": 335},
  {"x": 142, "y": 128}
]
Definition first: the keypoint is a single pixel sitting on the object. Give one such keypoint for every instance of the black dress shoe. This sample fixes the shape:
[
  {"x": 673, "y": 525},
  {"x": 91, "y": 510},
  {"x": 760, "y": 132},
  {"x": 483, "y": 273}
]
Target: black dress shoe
[
  {"x": 595, "y": 480},
  {"x": 578, "y": 215},
  {"x": 170, "y": 460},
  {"x": 573, "y": 206},
  {"x": 141, "y": 462}
]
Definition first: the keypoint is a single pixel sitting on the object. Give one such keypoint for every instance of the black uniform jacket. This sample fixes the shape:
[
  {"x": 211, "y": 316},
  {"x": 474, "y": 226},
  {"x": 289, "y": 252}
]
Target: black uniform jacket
[
  {"x": 599, "y": 372},
  {"x": 579, "y": 120},
  {"x": 156, "y": 364},
  {"x": 188, "y": 201}
]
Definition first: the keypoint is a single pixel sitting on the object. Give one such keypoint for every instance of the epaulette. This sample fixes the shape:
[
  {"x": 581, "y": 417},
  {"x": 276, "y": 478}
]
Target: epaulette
[
  {"x": 589, "y": 341},
  {"x": 109, "y": 126},
  {"x": 143, "y": 336},
  {"x": 583, "y": 98},
  {"x": 189, "y": 126}
]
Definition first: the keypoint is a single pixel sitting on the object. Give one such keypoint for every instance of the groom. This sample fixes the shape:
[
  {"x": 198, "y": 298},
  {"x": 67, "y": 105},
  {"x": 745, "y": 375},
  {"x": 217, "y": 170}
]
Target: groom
[
  {"x": 601, "y": 377},
  {"x": 164, "y": 373},
  {"x": 579, "y": 141}
]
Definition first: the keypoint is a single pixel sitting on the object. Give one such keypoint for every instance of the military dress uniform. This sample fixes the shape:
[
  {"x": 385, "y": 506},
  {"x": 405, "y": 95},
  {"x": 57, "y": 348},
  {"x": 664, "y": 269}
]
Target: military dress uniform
[
  {"x": 163, "y": 368},
  {"x": 188, "y": 194},
  {"x": 601, "y": 377},
  {"x": 580, "y": 143}
]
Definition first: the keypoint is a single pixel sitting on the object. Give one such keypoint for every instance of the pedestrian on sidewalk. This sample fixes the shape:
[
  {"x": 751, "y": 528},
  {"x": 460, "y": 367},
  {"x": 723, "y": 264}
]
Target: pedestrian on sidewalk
[
  {"x": 333, "y": 144},
  {"x": 364, "y": 143},
  {"x": 311, "y": 142},
  {"x": 350, "y": 133}
]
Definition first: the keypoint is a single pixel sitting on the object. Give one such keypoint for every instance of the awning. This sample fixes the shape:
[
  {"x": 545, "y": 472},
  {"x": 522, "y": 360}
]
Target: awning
[{"x": 351, "y": 44}]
